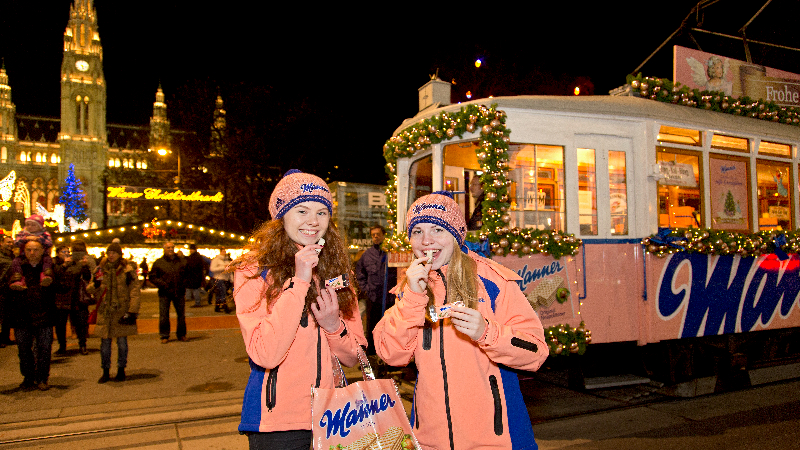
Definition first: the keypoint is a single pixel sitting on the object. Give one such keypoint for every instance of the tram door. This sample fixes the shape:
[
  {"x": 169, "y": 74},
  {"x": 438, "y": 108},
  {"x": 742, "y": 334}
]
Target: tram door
[{"x": 605, "y": 197}]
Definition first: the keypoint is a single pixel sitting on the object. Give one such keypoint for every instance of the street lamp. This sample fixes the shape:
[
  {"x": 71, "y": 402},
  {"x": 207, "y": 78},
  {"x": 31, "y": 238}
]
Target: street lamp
[{"x": 164, "y": 152}]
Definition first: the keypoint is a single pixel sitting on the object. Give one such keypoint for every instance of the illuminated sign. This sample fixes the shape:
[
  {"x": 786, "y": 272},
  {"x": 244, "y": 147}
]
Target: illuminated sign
[{"x": 146, "y": 193}]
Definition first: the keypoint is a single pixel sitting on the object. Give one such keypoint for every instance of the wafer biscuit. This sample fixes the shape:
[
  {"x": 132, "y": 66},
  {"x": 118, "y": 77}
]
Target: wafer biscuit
[
  {"x": 392, "y": 439},
  {"x": 544, "y": 294},
  {"x": 321, "y": 242},
  {"x": 363, "y": 442},
  {"x": 429, "y": 254}
]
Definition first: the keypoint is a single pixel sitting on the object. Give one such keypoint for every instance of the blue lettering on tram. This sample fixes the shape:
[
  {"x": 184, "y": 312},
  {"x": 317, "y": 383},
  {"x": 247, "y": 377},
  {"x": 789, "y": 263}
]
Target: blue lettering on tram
[{"x": 747, "y": 292}]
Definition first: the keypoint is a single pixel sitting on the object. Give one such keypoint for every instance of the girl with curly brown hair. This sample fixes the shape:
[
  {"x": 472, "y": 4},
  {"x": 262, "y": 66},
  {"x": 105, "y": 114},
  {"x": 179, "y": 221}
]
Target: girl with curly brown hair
[{"x": 291, "y": 323}]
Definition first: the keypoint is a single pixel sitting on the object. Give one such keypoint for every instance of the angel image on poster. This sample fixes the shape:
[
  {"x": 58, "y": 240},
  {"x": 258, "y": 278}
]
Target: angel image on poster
[{"x": 713, "y": 75}]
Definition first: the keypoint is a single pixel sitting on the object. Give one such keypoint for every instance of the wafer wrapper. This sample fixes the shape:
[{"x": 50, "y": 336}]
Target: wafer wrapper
[
  {"x": 340, "y": 282},
  {"x": 363, "y": 443},
  {"x": 442, "y": 312}
]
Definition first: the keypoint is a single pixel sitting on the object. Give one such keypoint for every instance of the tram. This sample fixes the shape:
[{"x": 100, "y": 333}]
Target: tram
[{"x": 663, "y": 228}]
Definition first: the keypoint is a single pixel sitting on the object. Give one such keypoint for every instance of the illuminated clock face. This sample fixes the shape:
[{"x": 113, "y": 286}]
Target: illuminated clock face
[{"x": 81, "y": 65}]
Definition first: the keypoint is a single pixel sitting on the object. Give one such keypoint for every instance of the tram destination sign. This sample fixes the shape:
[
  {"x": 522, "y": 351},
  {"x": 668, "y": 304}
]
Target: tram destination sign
[{"x": 151, "y": 193}]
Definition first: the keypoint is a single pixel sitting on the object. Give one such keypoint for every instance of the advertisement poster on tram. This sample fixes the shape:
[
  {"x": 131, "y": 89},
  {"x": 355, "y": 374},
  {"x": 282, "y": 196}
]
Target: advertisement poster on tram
[
  {"x": 729, "y": 194},
  {"x": 545, "y": 282}
]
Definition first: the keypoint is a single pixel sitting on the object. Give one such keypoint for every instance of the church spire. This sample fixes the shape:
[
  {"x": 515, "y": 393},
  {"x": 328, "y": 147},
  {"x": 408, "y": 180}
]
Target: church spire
[{"x": 81, "y": 35}]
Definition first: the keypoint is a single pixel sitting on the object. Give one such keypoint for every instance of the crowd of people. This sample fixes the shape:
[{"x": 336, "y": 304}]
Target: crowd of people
[{"x": 40, "y": 294}]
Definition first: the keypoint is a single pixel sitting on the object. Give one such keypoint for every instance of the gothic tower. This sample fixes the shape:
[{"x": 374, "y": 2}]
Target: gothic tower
[
  {"x": 83, "y": 103},
  {"x": 159, "y": 125},
  {"x": 8, "y": 122},
  {"x": 218, "y": 131}
]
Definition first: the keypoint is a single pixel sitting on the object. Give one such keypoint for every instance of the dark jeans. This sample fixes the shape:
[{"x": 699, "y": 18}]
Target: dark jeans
[
  {"x": 122, "y": 352},
  {"x": 284, "y": 440},
  {"x": 163, "y": 316},
  {"x": 221, "y": 289},
  {"x": 79, "y": 318},
  {"x": 34, "y": 345}
]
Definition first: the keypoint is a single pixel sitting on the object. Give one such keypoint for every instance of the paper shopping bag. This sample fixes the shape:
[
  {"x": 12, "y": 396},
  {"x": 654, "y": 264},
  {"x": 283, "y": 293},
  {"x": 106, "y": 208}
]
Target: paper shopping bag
[{"x": 367, "y": 415}]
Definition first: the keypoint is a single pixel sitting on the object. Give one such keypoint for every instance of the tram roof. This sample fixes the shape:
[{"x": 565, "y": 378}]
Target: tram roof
[{"x": 626, "y": 107}]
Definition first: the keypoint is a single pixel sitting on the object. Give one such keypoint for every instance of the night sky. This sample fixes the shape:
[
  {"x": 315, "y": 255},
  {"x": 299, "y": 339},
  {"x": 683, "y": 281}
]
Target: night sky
[{"x": 359, "y": 70}]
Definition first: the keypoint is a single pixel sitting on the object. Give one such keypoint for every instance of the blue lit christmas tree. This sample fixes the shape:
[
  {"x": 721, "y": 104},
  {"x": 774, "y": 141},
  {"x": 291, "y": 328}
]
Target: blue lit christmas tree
[{"x": 72, "y": 199}]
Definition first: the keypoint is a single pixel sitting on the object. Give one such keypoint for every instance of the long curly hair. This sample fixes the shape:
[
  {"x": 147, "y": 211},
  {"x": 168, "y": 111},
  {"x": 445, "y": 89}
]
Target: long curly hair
[{"x": 271, "y": 248}]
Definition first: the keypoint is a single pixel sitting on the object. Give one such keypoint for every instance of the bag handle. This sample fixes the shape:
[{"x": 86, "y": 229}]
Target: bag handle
[{"x": 340, "y": 380}]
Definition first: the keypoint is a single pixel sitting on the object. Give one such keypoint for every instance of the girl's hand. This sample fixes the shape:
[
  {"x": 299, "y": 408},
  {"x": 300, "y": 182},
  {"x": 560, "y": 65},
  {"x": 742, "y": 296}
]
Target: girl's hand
[
  {"x": 326, "y": 310},
  {"x": 468, "y": 321},
  {"x": 304, "y": 262},
  {"x": 417, "y": 275}
]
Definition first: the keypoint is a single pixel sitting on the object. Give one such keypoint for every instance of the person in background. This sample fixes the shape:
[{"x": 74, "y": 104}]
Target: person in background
[
  {"x": 6, "y": 256},
  {"x": 144, "y": 270},
  {"x": 222, "y": 279},
  {"x": 476, "y": 191},
  {"x": 194, "y": 275},
  {"x": 117, "y": 286},
  {"x": 33, "y": 231},
  {"x": 32, "y": 312},
  {"x": 375, "y": 277},
  {"x": 465, "y": 396},
  {"x": 167, "y": 275},
  {"x": 290, "y": 322},
  {"x": 73, "y": 273}
]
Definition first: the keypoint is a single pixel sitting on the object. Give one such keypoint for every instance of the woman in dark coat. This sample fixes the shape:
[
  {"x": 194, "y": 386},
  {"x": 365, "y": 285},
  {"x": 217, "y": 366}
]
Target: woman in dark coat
[
  {"x": 73, "y": 273},
  {"x": 117, "y": 290}
]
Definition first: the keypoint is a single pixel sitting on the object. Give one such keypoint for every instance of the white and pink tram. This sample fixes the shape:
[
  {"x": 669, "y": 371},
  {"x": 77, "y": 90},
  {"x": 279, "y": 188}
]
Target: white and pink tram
[{"x": 629, "y": 220}]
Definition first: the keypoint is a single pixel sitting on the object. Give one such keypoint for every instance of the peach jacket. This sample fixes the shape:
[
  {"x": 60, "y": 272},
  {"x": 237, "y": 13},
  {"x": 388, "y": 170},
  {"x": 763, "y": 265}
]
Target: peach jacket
[
  {"x": 289, "y": 353},
  {"x": 467, "y": 394}
]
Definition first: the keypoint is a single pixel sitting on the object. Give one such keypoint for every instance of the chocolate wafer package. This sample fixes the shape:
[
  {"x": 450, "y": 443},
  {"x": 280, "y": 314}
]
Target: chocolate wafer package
[{"x": 442, "y": 312}]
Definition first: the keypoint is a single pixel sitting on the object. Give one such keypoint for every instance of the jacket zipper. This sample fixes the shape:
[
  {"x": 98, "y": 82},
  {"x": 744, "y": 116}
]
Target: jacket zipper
[
  {"x": 498, "y": 406},
  {"x": 319, "y": 357},
  {"x": 444, "y": 370},
  {"x": 272, "y": 381}
]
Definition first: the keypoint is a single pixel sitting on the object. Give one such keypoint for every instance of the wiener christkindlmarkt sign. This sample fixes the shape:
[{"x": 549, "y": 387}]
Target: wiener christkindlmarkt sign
[{"x": 148, "y": 193}]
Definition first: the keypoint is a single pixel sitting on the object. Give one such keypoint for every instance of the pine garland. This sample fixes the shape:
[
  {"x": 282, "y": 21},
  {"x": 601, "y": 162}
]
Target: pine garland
[{"x": 664, "y": 90}]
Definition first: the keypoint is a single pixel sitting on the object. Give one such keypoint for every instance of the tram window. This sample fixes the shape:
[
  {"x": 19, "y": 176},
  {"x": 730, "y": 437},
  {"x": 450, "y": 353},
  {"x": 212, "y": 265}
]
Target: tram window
[
  {"x": 420, "y": 179},
  {"x": 679, "y": 195},
  {"x": 679, "y": 136},
  {"x": 774, "y": 195},
  {"x": 774, "y": 149},
  {"x": 462, "y": 173},
  {"x": 537, "y": 189},
  {"x": 587, "y": 192},
  {"x": 736, "y": 144},
  {"x": 618, "y": 185}
]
